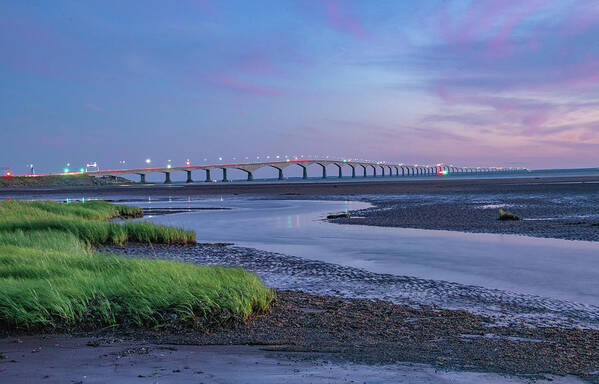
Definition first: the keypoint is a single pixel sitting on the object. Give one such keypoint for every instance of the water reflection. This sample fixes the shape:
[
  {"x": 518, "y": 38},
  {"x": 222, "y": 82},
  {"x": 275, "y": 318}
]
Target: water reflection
[{"x": 545, "y": 267}]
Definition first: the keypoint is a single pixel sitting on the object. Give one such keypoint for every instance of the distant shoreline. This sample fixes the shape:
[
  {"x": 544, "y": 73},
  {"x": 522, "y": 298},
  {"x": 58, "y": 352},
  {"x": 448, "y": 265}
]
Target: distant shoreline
[{"x": 325, "y": 188}]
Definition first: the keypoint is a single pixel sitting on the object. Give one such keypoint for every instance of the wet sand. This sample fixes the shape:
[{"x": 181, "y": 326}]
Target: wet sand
[
  {"x": 308, "y": 337},
  {"x": 65, "y": 359},
  {"x": 562, "y": 211}
]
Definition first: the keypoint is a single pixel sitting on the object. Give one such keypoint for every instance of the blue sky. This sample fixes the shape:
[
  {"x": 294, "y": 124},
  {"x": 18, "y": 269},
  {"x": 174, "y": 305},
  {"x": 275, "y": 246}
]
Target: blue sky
[{"x": 512, "y": 83}]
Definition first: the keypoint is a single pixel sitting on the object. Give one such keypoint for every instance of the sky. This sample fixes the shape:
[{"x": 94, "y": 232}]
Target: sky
[{"x": 473, "y": 83}]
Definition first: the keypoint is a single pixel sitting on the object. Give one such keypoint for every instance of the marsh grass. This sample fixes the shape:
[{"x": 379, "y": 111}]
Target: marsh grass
[
  {"x": 507, "y": 216},
  {"x": 88, "y": 221},
  {"x": 52, "y": 278}
]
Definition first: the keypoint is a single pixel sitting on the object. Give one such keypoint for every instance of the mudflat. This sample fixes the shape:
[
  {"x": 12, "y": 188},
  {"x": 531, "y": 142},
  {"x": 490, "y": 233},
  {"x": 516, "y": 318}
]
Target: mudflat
[
  {"x": 332, "y": 187},
  {"x": 308, "y": 337}
]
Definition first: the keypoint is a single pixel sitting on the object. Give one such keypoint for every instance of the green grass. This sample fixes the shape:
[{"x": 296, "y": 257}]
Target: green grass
[
  {"x": 58, "y": 180},
  {"x": 51, "y": 276},
  {"x": 88, "y": 222},
  {"x": 507, "y": 216}
]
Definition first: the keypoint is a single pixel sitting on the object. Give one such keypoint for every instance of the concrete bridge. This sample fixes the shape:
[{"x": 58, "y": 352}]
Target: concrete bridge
[{"x": 358, "y": 169}]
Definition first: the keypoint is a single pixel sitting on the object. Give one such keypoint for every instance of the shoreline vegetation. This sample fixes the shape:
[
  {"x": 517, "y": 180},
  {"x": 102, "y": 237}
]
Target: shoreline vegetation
[
  {"x": 60, "y": 181},
  {"x": 53, "y": 279}
]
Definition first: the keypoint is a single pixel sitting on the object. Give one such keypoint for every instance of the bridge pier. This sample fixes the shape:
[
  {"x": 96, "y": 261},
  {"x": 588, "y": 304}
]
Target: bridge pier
[
  {"x": 340, "y": 172},
  {"x": 304, "y": 172},
  {"x": 382, "y": 171},
  {"x": 208, "y": 178},
  {"x": 250, "y": 176},
  {"x": 167, "y": 178},
  {"x": 324, "y": 170},
  {"x": 189, "y": 179},
  {"x": 353, "y": 171},
  {"x": 224, "y": 175},
  {"x": 373, "y": 171},
  {"x": 142, "y": 178},
  {"x": 280, "y": 173},
  {"x": 364, "y": 169}
]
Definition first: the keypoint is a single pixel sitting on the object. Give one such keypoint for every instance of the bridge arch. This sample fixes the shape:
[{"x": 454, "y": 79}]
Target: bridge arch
[
  {"x": 364, "y": 174},
  {"x": 340, "y": 169},
  {"x": 324, "y": 170},
  {"x": 353, "y": 170}
]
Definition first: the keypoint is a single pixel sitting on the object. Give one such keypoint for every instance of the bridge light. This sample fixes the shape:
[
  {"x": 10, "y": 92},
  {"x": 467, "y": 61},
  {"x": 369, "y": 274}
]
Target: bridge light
[
  {"x": 66, "y": 170},
  {"x": 148, "y": 161},
  {"x": 168, "y": 165},
  {"x": 81, "y": 170},
  {"x": 8, "y": 173}
]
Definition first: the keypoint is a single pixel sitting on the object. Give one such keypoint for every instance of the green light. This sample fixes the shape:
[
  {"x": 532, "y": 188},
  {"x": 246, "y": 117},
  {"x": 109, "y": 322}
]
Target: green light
[
  {"x": 81, "y": 170},
  {"x": 66, "y": 170},
  {"x": 445, "y": 172}
]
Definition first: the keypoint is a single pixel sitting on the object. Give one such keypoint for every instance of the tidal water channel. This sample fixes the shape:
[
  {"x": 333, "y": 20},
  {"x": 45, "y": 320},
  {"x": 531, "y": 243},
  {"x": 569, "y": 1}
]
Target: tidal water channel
[{"x": 561, "y": 269}]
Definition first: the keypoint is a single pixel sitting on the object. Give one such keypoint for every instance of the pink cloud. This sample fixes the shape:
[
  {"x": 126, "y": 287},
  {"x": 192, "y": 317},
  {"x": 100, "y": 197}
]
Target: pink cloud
[
  {"x": 489, "y": 22},
  {"x": 339, "y": 17},
  {"x": 500, "y": 46},
  {"x": 584, "y": 75},
  {"x": 478, "y": 18}
]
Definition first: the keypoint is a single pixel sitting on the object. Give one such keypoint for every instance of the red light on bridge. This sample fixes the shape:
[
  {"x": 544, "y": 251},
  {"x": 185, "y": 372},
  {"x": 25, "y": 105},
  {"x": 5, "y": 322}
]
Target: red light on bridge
[
  {"x": 8, "y": 173},
  {"x": 440, "y": 172}
]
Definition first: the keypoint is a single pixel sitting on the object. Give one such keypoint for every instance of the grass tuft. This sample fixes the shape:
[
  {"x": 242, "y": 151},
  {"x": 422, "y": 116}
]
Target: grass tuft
[
  {"x": 51, "y": 277},
  {"x": 507, "y": 216},
  {"x": 339, "y": 216},
  {"x": 88, "y": 221}
]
